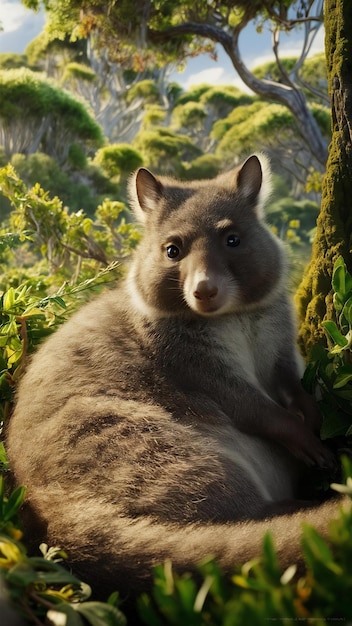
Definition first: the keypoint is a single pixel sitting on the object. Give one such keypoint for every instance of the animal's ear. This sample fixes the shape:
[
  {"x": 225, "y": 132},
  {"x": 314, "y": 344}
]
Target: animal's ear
[
  {"x": 254, "y": 180},
  {"x": 250, "y": 177},
  {"x": 145, "y": 192}
]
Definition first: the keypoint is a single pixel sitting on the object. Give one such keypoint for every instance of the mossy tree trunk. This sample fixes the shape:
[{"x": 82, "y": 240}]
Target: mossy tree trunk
[{"x": 334, "y": 225}]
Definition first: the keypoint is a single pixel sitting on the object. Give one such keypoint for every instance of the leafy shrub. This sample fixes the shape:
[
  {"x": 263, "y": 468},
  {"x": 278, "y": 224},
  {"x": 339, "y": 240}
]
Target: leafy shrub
[
  {"x": 118, "y": 158},
  {"x": 164, "y": 150},
  {"x": 145, "y": 89},
  {"x": 84, "y": 186},
  {"x": 188, "y": 115},
  {"x": 69, "y": 256},
  {"x": 205, "y": 166}
]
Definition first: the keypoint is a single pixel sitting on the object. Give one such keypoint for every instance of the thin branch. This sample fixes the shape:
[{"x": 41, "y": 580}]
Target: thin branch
[
  {"x": 97, "y": 254},
  {"x": 282, "y": 69}
]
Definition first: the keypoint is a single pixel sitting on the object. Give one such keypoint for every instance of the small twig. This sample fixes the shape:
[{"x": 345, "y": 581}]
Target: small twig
[
  {"x": 42, "y": 601},
  {"x": 31, "y": 615}
]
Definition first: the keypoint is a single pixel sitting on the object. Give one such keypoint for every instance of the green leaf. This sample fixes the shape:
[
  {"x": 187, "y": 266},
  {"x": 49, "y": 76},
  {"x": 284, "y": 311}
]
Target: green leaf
[
  {"x": 148, "y": 612},
  {"x": 210, "y": 568},
  {"x": 2, "y": 495},
  {"x": 14, "y": 502},
  {"x": 4, "y": 464},
  {"x": 347, "y": 310},
  {"x": 8, "y": 300},
  {"x": 335, "y": 423},
  {"x": 310, "y": 376},
  {"x": 270, "y": 558},
  {"x": 21, "y": 575},
  {"x": 346, "y": 463},
  {"x": 100, "y": 614},
  {"x": 39, "y": 570},
  {"x": 187, "y": 590},
  {"x": 339, "y": 276},
  {"x": 12, "y": 240},
  {"x": 335, "y": 334},
  {"x": 316, "y": 551},
  {"x": 60, "y": 301},
  {"x": 338, "y": 301},
  {"x": 344, "y": 375}
]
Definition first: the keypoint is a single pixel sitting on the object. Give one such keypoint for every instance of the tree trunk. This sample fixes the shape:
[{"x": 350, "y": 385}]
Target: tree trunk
[{"x": 334, "y": 225}]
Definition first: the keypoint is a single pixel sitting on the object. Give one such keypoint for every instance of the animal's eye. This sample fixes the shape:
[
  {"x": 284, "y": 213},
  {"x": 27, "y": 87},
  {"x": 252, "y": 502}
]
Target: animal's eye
[
  {"x": 233, "y": 241},
  {"x": 172, "y": 251}
]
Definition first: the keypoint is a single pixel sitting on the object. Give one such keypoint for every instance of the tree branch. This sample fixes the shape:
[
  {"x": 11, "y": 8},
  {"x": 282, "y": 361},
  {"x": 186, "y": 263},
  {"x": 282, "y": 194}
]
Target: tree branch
[{"x": 289, "y": 96}]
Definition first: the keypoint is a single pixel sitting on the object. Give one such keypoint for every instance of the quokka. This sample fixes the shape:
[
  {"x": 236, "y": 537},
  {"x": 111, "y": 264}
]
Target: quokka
[{"x": 166, "y": 418}]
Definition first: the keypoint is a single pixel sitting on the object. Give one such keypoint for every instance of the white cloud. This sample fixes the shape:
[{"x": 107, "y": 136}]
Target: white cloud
[
  {"x": 285, "y": 51},
  {"x": 260, "y": 60},
  {"x": 210, "y": 75},
  {"x": 214, "y": 76},
  {"x": 20, "y": 26},
  {"x": 290, "y": 46},
  {"x": 12, "y": 15}
]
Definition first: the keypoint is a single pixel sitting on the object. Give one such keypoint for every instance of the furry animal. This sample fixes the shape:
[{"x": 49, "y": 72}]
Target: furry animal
[{"x": 166, "y": 419}]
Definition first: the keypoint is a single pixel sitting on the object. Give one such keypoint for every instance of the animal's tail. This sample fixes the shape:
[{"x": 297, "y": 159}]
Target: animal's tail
[{"x": 129, "y": 548}]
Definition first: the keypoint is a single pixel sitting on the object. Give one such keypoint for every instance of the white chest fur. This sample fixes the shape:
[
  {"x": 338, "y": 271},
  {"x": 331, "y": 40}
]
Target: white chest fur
[{"x": 247, "y": 345}]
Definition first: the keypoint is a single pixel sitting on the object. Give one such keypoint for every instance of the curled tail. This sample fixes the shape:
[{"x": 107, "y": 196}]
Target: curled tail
[{"x": 129, "y": 548}]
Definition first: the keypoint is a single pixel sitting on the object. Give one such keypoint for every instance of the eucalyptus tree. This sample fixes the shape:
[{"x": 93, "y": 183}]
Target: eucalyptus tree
[
  {"x": 196, "y": 111},
  {"x": 271, "y": 128},
  {"x": 142, "y": 33},
  {"x": 37, "y": 115}
]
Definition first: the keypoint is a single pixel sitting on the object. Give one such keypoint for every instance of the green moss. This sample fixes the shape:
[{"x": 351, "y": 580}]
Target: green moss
[{"x": 334, "y": 224}]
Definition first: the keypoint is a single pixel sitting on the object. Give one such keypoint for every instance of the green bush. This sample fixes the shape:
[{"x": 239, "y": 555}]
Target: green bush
[
  {"x": 63, "y": 257},
  {"x": 117, "y": 159},
  {"x": 82, "y": 187}
]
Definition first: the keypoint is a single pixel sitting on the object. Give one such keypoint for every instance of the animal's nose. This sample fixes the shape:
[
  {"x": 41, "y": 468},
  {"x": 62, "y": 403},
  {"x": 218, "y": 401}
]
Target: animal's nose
[{"x": 205, "y": 291}]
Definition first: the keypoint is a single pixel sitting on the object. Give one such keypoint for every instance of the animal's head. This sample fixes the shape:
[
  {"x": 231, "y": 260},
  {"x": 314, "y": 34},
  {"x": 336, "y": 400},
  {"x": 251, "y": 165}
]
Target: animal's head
[{"x": 206, "y": 249}]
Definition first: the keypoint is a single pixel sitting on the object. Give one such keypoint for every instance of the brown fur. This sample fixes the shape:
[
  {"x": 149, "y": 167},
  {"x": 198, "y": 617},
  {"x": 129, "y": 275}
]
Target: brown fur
[{"x": 166, "y": 418}]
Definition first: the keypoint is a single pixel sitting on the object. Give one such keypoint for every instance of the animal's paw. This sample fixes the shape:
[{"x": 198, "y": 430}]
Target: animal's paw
[
  {"x": 312, "y": 451},
  {"x": 306, "y": 408}
]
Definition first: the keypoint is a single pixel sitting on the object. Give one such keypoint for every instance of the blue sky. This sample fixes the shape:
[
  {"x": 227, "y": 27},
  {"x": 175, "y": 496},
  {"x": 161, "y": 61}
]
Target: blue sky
[{"x": 20, "y": 26}]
